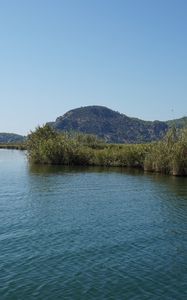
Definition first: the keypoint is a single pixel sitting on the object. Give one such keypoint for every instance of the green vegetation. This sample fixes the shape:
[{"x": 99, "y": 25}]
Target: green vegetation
[
  {"x": 46, "y": 146},
  {"x": 16, "y": 146},
  {"x": 169, "y": 156}
]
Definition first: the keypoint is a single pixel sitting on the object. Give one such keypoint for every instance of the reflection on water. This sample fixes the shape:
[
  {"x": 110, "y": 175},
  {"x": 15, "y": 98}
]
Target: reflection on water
[
  {"x": 90, "y": 233},
  {"x": 47, "y": 169},
  {"x": 175, "y": 184}
]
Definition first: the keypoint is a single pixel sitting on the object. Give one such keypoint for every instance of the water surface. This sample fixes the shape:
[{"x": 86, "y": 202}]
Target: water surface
[{"x": 90, "y": 233}]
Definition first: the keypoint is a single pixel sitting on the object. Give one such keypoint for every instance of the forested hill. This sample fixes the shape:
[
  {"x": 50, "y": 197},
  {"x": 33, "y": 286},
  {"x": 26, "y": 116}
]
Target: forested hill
[
  {"x": 113, "y": 126},
  {"x": 8, "y": 138}
]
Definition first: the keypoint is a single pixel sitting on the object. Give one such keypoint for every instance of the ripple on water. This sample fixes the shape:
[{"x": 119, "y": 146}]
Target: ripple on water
[{"x": 90, "y": 234}]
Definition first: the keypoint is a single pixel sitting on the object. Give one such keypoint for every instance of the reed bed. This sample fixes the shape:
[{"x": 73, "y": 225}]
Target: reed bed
[{"x": 169, "y": 156}]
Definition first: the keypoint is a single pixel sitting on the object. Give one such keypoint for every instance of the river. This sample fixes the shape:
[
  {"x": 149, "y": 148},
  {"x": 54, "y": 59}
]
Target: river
[{"x": 90, "y": 233}]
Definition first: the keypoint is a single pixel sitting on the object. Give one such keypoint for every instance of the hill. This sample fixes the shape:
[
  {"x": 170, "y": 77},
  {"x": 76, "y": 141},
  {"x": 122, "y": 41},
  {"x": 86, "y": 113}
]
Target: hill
[
  {"x": 113, "y": 126},
  {"x": 178, "y": 123},
  {"x": 9, "y": 138}
]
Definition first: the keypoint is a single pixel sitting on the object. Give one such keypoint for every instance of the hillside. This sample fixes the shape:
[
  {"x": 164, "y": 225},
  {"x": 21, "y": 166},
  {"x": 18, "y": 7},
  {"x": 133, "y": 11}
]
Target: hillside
[
  {"x": 8, "y": 138},
  {"x": 110, "y": 125},
  {"x": 178, "y": 123}
]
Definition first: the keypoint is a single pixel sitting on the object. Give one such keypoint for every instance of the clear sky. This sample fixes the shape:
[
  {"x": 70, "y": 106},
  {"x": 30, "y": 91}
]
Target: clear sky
[{"x": 56, "y": 55}]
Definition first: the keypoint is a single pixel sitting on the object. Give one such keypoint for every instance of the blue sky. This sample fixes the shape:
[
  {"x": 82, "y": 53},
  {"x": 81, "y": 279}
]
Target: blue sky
[{"x": 128, "y": 55}]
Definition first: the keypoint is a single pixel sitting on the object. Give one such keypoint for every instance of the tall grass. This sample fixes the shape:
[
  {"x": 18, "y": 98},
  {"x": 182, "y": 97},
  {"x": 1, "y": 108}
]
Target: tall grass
[
  {"x": 169, "y": 156},
  {"x": 45, "y": 146}
]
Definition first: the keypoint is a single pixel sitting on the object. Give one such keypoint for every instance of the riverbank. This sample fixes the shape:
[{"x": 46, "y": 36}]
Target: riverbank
[
  {"x": 13, "y": 146},
  {"x": 169, "y": 156}
]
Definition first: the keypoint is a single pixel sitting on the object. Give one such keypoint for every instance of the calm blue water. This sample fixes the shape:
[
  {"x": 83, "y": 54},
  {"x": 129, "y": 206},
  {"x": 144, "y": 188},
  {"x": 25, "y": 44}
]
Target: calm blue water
[{"x": 71, "y": 233}]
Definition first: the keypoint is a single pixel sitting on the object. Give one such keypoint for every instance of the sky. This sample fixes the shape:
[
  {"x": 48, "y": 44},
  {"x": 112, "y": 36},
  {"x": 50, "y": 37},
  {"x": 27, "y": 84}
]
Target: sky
[{"x": 57, "y": 55}]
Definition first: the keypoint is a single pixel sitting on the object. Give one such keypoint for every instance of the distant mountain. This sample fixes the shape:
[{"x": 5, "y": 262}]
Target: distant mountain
[
  {"x": 8, "y": 138},
  {"x": 178, "y": 123},
  {"x": 113, "y": 126}
]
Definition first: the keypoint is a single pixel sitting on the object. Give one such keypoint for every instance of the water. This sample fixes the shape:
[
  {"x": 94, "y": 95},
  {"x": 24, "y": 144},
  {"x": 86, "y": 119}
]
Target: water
[{"x": 89, "y": 233}]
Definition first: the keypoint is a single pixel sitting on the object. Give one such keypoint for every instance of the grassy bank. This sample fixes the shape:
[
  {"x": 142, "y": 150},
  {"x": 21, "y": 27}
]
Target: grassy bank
[
  {"x": 45, "y": 146},
  {"x": 14, "y": 146}
]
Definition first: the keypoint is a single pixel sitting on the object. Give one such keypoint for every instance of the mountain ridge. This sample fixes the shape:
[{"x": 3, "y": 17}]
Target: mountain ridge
[
  {"x": 113, "y": 126},
  {"x": 8, "y": 138}
]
